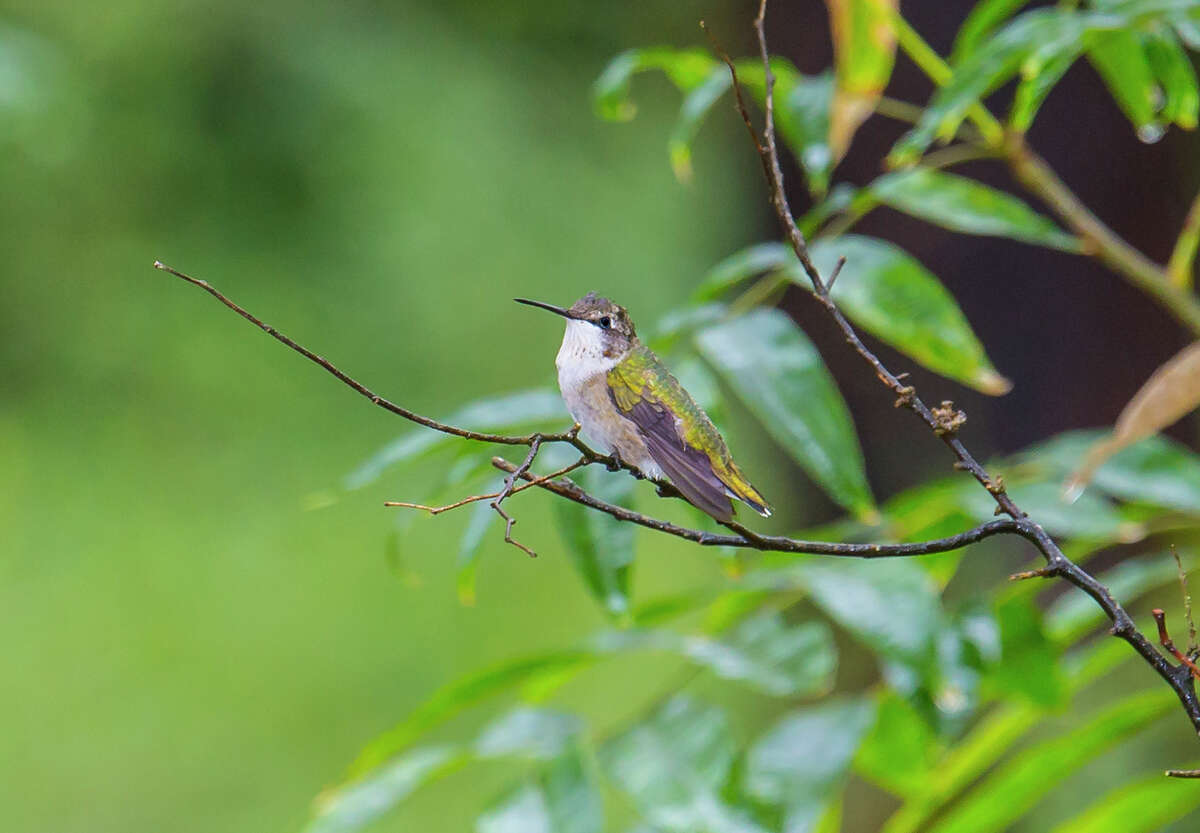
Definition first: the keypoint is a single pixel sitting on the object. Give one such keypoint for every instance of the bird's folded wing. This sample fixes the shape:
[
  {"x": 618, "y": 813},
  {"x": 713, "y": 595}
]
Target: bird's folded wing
[{"x": 689, "y": 469}]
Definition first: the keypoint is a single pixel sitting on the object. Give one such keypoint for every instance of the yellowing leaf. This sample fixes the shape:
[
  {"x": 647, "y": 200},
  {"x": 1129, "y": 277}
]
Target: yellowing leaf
[
  {"x": 864, "y": 45},
  {"x": 1171, "y": 391}
]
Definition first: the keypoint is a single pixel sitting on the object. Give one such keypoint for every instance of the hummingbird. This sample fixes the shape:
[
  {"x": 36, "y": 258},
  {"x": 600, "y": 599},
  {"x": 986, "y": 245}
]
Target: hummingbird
[{"x": 626, "y": 401}]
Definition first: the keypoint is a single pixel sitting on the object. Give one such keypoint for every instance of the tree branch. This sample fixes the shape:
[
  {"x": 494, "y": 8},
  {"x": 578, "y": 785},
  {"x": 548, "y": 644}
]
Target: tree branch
[{"x": 1179, "y": 678}]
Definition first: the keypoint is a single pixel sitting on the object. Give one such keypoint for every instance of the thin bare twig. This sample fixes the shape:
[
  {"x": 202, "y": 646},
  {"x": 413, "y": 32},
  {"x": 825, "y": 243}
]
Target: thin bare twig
[
  {"x": 437, "y": 510},
  {"x": 1187, "y": 600},
  {"x": 1164, "y": 639},
  {"x": 509, "y": 520}
]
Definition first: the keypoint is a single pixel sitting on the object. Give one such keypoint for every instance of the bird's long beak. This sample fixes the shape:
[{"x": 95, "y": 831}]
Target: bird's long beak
[{"x": 565, "y": 313}]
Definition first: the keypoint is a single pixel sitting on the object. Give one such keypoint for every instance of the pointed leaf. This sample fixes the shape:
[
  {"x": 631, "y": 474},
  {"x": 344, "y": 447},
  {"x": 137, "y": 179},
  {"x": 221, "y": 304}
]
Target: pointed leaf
[
  {"x": 899, "y": 751},
  {"x": 1143, "y": 806},
  {"x": 1177, "y": 77},
  {"x": 801, "y": 762},
  {"x": 1029, "y": 661},
  {"x": 687, "y": 69},
  {"x": 562, "y": 800},
  {"x": 1172, "y": 391},
  {"x": 763, "y": 652},
  {"x": 891, "y": 606},
  {"x": 600, "y": 546},
  {"x": 1156, "y": 470},
  {"x": 458, "y": 695},
  {"x": 481, "y": 519},
  {"x": 864, "y": 47},
  {"x": 1119, "y": 59},
  {"x": 980, "y": 23},
  {"x": 674, "y": 766},
  {"x": 888, "y": 293},
  {"x": 962, "y": 204},
  {"x": 536, "y": 733},
  {"x": 779, "y": 375},
  {"x": 1012, "y": 790},
  {"x": 361, "y": 802},
  {"x": 692, "y": 112},
  {"x": 494, "y": 414},
  {"x": 1027, "y": 44},
  {"x": 1033, "y": 90}
]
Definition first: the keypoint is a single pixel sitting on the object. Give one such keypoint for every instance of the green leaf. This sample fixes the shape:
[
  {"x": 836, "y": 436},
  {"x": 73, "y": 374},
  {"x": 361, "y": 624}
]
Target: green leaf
[
  {"x": 981, "y": 22},
  {"x": 695, "y": 107},
  {"x": 990, "y": 739},
  {"x": 1174, "y": 71},
  {"x": 1027, "y": 44},
  {"x": 361, "y": 802},
  {"x": 864, "y": 51},
  {"x": 1088, "y": 517},
  {"x": 778, "y": 374},
  {"x": 1119, "y": 59},
  {"x": 762, "y": 652},
  {"x": 687, "y": 69},
  {"x": 540, "y": 734},
  {"x": 1033, "y": 90},
  {"x": 1156, "y": 470},
  {"x": 674, "y": 765},
  {"x": 562, "y": 800},
  {"x": 1029, "y": 661},
  {"x": 891, "y": 606},
  {"x": 1143, "y": 806},
  {"x": 899, "y": 751},
  {"x": 889, "y": 294},
  {"x": 494, "y": 414},
  {"x": 601, "y": 547},
  {"x": 479, "y": 522},
  {"x": 458, "y": 695},
  {"x": 802, "y": 114},
  {"x": 962, "y": 204},
  {"x": 1011, "y": 791},
  {"x": 801, "y": 762},
  {"x": 747, "y": 263}
]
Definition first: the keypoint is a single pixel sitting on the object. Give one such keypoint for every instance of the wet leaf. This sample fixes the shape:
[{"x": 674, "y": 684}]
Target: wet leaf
[
  {"x": 801, "y": 762},
  {"x": 1177, "y": 77},
  {"x": 363, "y": 801},
  {"x": 674, "y": 764},
  {"x": 891, "y": 605},
  {"x": 900, "y": 749},
  {"x": 1029, "y": 661},
  {"x": 775, "y": 370},
  {"x": 499, "y": 413},
  {"x": 1144, "y": 806},
  {"x": 980, "y": 23},
  {"x": 762, "y": 651},
  {"x": 687, "y": 69},
  {"x": 1120, "y": 60},
  {"x": 1033, "y": 89},
  {"x": 1171, "y": 392},
  {"x": 962, "y": 204},
  {"x": 864, "y": 47},
  {"x": 889, "y": 294},
  {"x": 1027, "y": 44},
  {"x": 1010, "y": 791},
  {"x": 528, "y": 732},
  {"x": 600, "y": 547},
  {"x": 467, "y": 691},
  {"x": 562, "y": 800},
  {"x": 695, "y": 107}
]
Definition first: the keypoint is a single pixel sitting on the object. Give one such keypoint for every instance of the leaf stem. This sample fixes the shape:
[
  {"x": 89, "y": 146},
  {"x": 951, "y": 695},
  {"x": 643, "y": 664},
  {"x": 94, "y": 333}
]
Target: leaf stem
[{"x": 1183, "y": 256}]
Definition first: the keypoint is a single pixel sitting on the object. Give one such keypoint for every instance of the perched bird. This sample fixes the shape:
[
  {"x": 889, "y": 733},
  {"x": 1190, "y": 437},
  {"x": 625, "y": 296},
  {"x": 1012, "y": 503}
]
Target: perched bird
[{"x": 626, "y": 401}]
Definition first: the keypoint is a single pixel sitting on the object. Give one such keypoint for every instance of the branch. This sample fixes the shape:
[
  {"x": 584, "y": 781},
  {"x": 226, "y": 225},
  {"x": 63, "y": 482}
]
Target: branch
[
  {"x": 1179, "y": 267},
  {"x": 946, "y": 421}
]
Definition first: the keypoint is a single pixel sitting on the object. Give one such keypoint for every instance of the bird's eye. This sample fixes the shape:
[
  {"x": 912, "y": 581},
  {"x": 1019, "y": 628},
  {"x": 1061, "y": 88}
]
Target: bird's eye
[{"x": 605, "y": 322}]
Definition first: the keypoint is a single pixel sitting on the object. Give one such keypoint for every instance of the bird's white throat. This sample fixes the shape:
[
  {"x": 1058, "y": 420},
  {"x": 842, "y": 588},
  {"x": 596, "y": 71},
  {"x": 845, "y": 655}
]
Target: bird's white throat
[{"x": 581, "y": 355}]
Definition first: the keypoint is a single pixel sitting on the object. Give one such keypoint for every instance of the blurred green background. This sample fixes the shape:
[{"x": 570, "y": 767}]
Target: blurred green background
[
  {"x": 189, "y": 646},
  {"x": 200, "y": 630}
]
